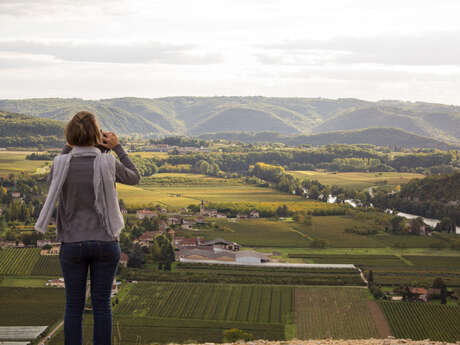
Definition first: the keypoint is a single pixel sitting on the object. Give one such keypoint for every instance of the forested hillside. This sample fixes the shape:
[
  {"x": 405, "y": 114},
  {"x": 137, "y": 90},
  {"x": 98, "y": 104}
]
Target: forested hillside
[
  {"x": 434, "y": 196},
  {"x": 296, "y": 116},
  {"x": 391, "y": 137},
  {"x": 25, "y": 131}
]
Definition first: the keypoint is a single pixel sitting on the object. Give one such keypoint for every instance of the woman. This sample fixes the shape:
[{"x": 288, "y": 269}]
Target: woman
[{"x": 88, "y": 221}]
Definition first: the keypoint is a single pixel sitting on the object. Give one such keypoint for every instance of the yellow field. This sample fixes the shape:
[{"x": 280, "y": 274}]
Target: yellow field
[
  {"x": 149, "y": 154},
  {"x": 200, "y": 187},
  {"x": 15, "y": 162},
  {"x": 357, "y": 179}
]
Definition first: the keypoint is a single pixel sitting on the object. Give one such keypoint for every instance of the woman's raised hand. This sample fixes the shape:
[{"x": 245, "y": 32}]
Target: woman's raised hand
[{"x": 109, "y": 139}]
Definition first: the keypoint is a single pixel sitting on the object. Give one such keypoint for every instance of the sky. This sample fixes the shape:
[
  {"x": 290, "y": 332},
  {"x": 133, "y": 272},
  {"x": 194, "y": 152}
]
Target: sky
[{"x": 93, "y": 49}]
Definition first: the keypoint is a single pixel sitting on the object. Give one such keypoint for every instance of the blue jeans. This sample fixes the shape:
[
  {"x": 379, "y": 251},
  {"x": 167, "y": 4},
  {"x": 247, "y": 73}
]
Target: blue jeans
[{"x": 102, "y": 257}]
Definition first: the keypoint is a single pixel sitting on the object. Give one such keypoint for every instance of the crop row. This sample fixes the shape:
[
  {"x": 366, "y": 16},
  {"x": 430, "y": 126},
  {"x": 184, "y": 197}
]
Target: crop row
[
  {"x": 142, "y": 330},
  {"x": 246, "y": 277},
  {"x": 333, "y": 312},
  {"x": 18, "y": 261},
  {"x": 254, "y": 304},
  {"x": 28, "y": 261},
  {"x": 423, "y": 320}
]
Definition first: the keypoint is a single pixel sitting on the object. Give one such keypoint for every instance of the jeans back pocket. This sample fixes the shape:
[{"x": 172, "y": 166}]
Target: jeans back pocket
[
  {"x": 109, "y": 252},
  {"x": 71, "y": 252}
]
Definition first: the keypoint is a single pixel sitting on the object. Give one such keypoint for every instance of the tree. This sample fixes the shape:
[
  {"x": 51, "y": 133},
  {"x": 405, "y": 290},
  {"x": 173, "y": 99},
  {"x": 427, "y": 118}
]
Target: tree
[
  {"x": 438, "y": 283},
  {"x": 234, "y": 334},
  {"x": 370, "y": 277},
  {"x": 443, "y": 294},
  {"x": 136, "y": 257}
]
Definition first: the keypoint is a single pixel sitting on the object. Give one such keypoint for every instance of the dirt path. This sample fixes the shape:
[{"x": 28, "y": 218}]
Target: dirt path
[
  {"x": 380, "y": 321},
  {"x": 361, "y": 273},
  {"x": 51, "y": 334}
]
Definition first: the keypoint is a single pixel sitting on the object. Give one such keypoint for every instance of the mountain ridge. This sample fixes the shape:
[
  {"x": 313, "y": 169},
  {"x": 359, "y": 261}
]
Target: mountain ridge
[{"x": 187, "y": 115}]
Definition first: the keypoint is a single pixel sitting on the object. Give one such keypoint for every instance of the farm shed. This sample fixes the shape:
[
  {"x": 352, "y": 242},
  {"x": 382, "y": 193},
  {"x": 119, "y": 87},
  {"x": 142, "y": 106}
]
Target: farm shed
[{"x": 250, "y": 257}]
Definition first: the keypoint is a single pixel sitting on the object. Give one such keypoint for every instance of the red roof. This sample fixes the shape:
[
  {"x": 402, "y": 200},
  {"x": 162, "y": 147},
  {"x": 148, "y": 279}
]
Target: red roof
[
  {"x": 124, "y": 257},
  {"x": 418, "y": 291}
]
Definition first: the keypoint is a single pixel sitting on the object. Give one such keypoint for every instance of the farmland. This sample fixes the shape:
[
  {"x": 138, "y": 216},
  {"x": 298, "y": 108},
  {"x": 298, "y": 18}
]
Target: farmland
[
  {"x": 28, "y": 261},
  {"x": 358, "y": 180},
  {"x": 203, "y": 273},
  {"x": 15, "y": 162},
  {"x": 423, "y": 321},
  {"x": 25, "y": 306},
  {"x": 180, "y": 190},
  {"x": 326, "y": 313},
  {"x": 259, "y": 304}
]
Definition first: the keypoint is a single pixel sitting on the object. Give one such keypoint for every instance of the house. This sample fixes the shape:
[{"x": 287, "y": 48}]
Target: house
[
  {"x": 187, "y": 226},
  {"x": 16, "y": 194},
  {"x": 114, "y": 287},
  {"x": 200, "y": 220},
  {"x": 147, "y": 238},
  {"x": 162, "y": 209},
  {"x": 221, "y": 215},
  {"x": 187, "y": 242},
  {"x": 175, "y": 220},
  {"x": 141, "y": 214},
  {"x": 42, "y": 243},
  {"x": 19, "y": 244},
  {"x": 184, "y": 210},
  {"x": 59, "y": 282},
  {"x": 54, "y": 250},
  {"x": 242, "y": 216},
  {"x": 162, "y": 226},
  {"x": 172, "y": 233},
  {"x": 123, "y": 210},
  {"x": 7, "y": 244},
  {"x": 254, "y": 214},
  {"x": 222, "y": 244},
  {"x": 250, "y": 257},
  {"x": 124, "y": 259}
]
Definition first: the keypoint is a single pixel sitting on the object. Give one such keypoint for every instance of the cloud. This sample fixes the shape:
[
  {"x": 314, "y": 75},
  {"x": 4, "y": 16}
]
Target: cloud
[
  {"x": 111, "y": 52},
  {"x": 433, "y": 48}
]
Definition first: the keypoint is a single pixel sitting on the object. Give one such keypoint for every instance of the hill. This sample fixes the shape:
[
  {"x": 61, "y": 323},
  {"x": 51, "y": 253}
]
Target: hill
[
  {"x": 22, "y": 130},
  {"x": 159, "y": 117},
  {"x": 374, "y": 136}
]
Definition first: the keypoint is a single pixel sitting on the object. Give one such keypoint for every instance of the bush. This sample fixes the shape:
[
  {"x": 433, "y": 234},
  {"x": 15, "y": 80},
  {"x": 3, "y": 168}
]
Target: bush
[
  {"x": 235, "y": 334},
  {"x": 319, "y": 243}
]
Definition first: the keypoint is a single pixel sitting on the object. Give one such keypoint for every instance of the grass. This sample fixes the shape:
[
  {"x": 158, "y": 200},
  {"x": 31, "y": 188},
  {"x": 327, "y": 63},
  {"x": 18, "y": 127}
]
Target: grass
[
  {"x": 15, "y": 162},
  {"x": 26, "y": 306},
  {"x": 180, "y": 190},
  {"x": 333, "y": 312},
  {"x": 27, "y": 281}
]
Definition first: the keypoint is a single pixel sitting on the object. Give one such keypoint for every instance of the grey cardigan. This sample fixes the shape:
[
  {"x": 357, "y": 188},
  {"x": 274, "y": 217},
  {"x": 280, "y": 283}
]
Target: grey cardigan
[{"x": 76, "y": 217}]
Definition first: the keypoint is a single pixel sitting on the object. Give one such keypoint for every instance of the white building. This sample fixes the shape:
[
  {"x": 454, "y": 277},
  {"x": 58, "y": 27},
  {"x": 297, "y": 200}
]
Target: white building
[{"x": 250, "y": 257}]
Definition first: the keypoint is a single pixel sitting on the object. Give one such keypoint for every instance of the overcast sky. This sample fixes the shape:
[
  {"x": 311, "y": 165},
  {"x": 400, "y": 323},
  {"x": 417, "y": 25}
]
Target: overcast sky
[{"x": 408, "y": 50}]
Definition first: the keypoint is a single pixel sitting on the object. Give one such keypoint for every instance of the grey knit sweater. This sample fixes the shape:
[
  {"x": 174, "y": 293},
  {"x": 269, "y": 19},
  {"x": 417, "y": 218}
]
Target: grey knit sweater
[{"x": 76, "y": 217}]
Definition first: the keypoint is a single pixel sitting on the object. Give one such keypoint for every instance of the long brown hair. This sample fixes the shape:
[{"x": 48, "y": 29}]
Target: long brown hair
[{"x": 83, "y": 130}]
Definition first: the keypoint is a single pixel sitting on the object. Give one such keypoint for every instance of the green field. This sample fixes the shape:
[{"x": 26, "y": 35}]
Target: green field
[
  {"x": 242, "y": 303},
  {"x": 31, "y": 306},
  {"x": 273, "y": 233},
  {"x": 359, "y": 180},
  {"x": 165, "y": 313},
  {"x": 15, "y": 162},
  {"x": 180, "y": 190},
  {"x": 423, "y": 320},
  {"x": 28, "y": 261},
  {"x": 330, "y": 312}
]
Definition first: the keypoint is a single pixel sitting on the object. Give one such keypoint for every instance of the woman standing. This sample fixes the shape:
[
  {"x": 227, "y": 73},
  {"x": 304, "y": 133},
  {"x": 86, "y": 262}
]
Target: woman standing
[{"x": 88, "y": 221}]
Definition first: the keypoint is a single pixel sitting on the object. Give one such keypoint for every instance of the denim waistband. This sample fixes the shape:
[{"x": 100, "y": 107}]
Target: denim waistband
[{"x": 89, "y": 242}]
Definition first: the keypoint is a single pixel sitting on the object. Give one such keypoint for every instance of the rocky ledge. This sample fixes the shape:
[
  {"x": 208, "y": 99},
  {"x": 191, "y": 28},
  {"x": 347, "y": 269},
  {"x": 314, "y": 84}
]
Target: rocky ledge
[{"x": 387, "y": 341}]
